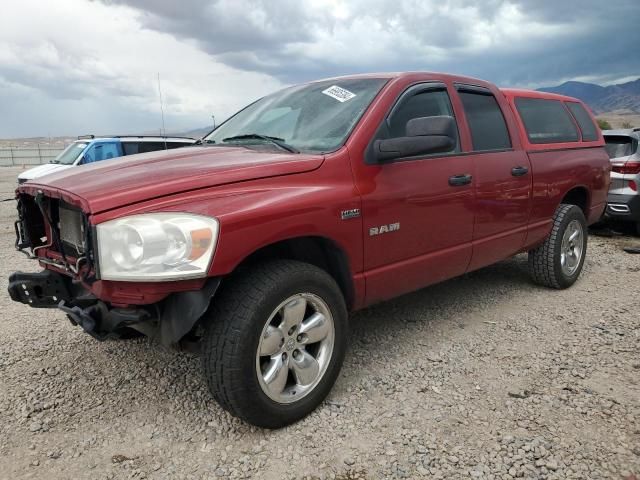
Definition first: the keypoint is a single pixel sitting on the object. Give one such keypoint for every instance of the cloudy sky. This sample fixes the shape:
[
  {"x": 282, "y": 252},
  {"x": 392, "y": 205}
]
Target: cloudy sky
[{"x": 69, "y": 67}]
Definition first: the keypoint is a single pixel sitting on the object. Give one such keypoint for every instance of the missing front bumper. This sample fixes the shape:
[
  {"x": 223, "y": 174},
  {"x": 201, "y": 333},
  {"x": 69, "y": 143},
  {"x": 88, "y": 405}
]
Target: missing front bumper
[
  {"x": 102, "y": 323},
  {"x": 168, "y": 321}
]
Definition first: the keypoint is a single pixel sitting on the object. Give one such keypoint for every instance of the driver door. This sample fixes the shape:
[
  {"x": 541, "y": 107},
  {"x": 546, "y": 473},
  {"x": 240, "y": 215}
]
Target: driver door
[{"x": 418, "y": 214}]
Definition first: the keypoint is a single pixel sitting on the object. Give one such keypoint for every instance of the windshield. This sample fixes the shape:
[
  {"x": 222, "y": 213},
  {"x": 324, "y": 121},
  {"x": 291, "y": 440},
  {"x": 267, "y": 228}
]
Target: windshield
[
  {"x": 315, "y": 117},
  {"x": 70, "y": 154}
]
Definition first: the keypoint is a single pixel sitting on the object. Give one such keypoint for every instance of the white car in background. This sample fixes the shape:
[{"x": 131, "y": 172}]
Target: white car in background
[
  {"x": 623, "y": 202},
  {"x": 89, "y": 149}
]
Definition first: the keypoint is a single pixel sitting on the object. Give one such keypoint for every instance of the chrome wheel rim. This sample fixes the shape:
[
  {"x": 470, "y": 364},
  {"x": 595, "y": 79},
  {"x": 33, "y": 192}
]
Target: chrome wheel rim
[
  {"x": 572, "y": 247},
  {"x": 295, "y": 348}
]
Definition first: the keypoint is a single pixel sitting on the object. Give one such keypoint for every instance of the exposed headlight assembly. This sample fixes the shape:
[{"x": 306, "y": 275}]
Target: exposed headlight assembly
[{"x": 155, "y": 247}]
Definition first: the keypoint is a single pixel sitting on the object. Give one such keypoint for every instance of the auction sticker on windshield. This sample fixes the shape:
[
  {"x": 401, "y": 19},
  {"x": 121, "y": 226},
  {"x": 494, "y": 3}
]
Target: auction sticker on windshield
[{"x": 339, "y": 93}]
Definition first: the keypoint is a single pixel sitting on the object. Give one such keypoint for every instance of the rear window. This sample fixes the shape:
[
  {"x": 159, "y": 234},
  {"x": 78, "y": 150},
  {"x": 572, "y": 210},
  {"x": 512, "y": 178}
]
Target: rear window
[
  {"x": 589, "y": 132},
  {"x": 546, "y": 121},
  {"x": 618, "y": 146}
]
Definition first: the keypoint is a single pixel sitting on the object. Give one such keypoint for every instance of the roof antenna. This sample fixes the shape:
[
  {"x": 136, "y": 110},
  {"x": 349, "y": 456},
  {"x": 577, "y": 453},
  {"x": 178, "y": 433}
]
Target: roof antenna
[{"x": 163, "y": 132}]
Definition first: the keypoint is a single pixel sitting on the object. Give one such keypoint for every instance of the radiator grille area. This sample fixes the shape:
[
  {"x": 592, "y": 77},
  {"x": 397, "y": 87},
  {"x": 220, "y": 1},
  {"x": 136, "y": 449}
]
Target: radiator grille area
[{"x": 72, "y": 233}]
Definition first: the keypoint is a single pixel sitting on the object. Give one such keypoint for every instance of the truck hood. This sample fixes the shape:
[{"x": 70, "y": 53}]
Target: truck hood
[
  {"x": 42, "y": 170},
  {"x": 106, "y": 185}
]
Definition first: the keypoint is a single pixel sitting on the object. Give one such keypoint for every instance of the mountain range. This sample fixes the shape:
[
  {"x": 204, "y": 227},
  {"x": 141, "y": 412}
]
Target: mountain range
[{"x": 624, "y": 96}]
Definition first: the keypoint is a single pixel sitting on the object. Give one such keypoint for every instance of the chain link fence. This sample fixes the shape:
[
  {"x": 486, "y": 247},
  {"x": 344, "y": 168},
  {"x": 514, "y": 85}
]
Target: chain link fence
[{"x": 23, "y": 156}]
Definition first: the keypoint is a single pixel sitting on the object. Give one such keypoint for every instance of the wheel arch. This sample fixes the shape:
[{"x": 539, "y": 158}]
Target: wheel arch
[
  {"x": 320, "y": 251},
  {"x": 580, "y": 197}
]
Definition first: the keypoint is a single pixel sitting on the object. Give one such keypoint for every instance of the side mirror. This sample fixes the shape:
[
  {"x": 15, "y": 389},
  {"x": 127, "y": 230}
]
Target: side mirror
[{"x": 424, "y": 135}]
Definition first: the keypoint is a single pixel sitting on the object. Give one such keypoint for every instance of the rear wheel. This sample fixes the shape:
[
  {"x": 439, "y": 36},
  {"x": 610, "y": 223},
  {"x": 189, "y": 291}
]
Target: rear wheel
[
  {"x": 557, "y": 263},
  {"x": 275, "y": 343}
]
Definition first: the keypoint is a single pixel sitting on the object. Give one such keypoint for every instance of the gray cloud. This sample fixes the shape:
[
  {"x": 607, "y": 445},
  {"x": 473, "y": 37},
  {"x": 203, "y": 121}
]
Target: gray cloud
[
  {"x": 67, "y": 77},
  {"x": 81, "y": 66},
  {"x": 92, "y": 65},
  {"x": 227, "y": 26},
  {"x": 510, "y": 42}
]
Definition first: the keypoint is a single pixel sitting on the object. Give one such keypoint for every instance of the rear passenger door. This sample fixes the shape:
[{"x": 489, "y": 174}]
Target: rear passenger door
[{"x": 502, "y": 179}]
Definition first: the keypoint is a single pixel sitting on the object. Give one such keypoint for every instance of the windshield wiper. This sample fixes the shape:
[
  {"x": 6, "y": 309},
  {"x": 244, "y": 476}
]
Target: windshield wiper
[{"x": 275, "y": 140}]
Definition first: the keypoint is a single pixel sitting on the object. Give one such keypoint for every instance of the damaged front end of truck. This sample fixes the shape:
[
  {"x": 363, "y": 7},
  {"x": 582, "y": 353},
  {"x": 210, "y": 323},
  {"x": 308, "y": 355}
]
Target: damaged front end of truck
[{"x": 53, "y": 229}]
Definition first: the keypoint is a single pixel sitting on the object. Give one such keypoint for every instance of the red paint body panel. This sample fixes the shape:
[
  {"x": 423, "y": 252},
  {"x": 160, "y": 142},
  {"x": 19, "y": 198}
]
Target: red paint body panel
[
  {"x": 264, "y": 198},
  {"x": 126, "y": 181},
  {"x": 555, "y": 172},
  {"x": 502, "y": 206}
]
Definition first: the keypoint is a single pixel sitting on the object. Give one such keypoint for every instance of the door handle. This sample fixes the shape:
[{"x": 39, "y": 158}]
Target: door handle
[
  {"x": 459, "y": 180},
  {"x": 519, "y": 171}
]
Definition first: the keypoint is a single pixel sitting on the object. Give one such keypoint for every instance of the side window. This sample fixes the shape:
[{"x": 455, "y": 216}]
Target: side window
[
  {"x": 589, "y": 132},
  {"x": 546, "y": 121},
  {"x": 425, "y": 103},
  {"x": 144, "y": 147},
  {"x": 101, "y": 151},
  {"x": 486, "y": 122},
  {"x": 176, "y": 144},
  {"x": 89, "y": 155},
  {"x": 130, "y": 148},
  {"x": 107, "y": 151}
]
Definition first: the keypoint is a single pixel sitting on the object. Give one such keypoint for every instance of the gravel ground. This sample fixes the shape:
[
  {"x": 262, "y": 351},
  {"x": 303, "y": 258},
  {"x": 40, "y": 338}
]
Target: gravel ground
[{"x": 484, "y": 376}]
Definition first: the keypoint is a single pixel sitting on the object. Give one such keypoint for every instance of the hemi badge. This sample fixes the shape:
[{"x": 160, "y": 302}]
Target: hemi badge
[{"x": 347, "y": 214}]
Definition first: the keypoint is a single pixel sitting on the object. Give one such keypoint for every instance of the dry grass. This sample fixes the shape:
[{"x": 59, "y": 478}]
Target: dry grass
[{"x": 618, "y": 118}]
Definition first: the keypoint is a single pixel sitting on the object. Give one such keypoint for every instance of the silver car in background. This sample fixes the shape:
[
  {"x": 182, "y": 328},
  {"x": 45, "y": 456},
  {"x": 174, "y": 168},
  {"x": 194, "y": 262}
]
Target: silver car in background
[{"x": 623, "y": 203}]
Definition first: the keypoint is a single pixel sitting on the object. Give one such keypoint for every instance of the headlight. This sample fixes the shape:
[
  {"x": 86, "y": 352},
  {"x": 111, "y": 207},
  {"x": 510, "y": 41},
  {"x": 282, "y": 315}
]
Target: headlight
[{"x": 156, "y": 247}]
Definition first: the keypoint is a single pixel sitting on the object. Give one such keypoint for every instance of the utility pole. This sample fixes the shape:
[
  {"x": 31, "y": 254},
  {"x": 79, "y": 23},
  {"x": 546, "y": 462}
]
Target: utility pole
[{"x": 164, "y": 131}]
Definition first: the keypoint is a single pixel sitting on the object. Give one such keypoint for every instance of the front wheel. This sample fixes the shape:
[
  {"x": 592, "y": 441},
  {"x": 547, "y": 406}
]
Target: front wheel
[
  {"x": 275, "y": 343},
  {"x": 557, "y": 263}
]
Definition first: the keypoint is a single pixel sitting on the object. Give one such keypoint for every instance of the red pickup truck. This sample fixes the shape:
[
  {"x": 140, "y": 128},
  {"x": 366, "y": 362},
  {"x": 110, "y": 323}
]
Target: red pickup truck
[{"x": 309, "y": 203}]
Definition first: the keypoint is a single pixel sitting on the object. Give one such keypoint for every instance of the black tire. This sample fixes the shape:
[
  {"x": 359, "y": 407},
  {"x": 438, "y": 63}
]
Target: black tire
[
  {"x": 237, "y": 318},
  {"x": 638, "y": 229},
  {"x": 545, "y": 261}
]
